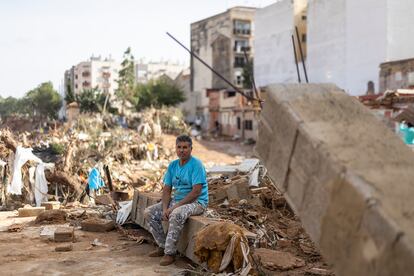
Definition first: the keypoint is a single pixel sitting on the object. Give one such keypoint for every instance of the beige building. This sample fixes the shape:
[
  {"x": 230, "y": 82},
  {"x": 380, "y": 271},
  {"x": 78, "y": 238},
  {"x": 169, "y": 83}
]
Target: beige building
[
  {"x": 189, "y": 106},
  {"x": 398, "y": 74},
  {"x": 94, "y": 73},
  {"x": 220, "y": 41}
]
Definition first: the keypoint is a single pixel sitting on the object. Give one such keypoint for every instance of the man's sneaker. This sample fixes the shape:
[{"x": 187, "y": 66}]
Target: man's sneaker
[
  {"x": 167, "y": 260},
  {"x": 159, "y": 252}
]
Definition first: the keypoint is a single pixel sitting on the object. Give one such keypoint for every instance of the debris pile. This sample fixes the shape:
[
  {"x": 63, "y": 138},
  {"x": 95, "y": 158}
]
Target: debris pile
[
  {"x": 79, "y": 174},
  {"x": 248, "y": 198},
  {"x": 64, "y": 164}
]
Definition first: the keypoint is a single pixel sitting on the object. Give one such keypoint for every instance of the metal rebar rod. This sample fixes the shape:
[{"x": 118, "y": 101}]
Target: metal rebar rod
[
  {"x": 252, "y": 76},
  {"x": 301, "y": 55},
  {"x": 296, "y": 59},
  {"x": 214, "y": 71}
]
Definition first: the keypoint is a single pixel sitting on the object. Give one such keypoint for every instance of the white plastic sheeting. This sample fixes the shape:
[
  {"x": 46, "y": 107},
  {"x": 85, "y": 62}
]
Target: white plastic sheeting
[
  {"x": 124, "y": 212},
  {"x": 40, "y": 190},
  {"x": 21, "y": 157}
]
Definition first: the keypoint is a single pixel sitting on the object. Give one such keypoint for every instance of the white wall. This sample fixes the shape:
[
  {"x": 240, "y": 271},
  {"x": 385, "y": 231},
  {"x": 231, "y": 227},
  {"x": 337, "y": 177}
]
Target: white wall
[
  {"x": 365, "y": 43},
  {"x": 348, "y": 39},
  {"x": 274, "y": 61},
  {"x": 326, "y": 42},
  {"x": 400, "y": 38}
]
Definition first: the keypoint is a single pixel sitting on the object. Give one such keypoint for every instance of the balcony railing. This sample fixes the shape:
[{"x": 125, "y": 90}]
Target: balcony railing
[
  {"x": 241, "y": 31},
  {"x": 241, "y": 49}
]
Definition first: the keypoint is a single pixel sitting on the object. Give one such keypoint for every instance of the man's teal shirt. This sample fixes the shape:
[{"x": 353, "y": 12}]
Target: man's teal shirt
[{"x": 182, "y": 179}]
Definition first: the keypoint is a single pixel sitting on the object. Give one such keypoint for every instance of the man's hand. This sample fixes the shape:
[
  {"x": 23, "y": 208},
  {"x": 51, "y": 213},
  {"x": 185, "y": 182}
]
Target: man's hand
[{"x": 166, "y": 213}]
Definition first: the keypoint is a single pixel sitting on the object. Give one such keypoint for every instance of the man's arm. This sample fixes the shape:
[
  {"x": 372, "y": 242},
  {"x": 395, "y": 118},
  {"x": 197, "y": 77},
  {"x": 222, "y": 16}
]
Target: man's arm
[
  {"x": 166, "y": 198},
  {"x": 191, "y": 197}
]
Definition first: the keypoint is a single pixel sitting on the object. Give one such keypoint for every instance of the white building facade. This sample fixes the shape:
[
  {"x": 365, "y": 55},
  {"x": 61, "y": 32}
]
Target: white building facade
[
  {"x": 346, "y": 41},
  {"x": 94, "y": 73}
]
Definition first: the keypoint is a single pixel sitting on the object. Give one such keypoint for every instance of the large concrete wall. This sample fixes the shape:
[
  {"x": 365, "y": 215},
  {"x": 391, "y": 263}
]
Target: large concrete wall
[{"x": 348, "y": 177}]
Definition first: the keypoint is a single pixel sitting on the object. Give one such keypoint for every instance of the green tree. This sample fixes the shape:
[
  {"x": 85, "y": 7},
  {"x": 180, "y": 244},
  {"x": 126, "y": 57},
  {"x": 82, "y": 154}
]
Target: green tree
[
  {"x": 43, "y": 101},
  {"x": 248, "y": 74},
  {"x": 8, "y": 106},
  {"x": 70, "y": 95},
  {"x": 91, "y": 100},
  {"x": 126, "y": 80},
  {"x": 158, "y": 93}
]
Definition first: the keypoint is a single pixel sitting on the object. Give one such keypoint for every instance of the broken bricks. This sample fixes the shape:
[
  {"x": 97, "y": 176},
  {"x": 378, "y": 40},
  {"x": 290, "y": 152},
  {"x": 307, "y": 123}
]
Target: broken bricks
[
  {"x": 29, "y": 211},
  {"x": 51, "y": 205},
  {"x": 64, "y": 247},
  {"x": 278, "y": 260},
  {"x": 64, "y": 234},
  {"x": 97, "y": 225}
]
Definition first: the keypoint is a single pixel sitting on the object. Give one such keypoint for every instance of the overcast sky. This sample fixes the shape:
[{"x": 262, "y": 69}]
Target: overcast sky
[{"x": 40, "y": 39}]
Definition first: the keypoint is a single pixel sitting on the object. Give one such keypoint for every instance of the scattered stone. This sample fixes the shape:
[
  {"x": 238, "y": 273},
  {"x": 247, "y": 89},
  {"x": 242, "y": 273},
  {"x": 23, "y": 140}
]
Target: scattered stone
[
  {"x": 97, "y": 225},
  {"x": 51, "y": 205},
  {"x": 96, "y": 242},
  {"x": 278, "y": 260},
  {"x": 105, "y": 199},
  {"x": 15, "y": 228},
  {"x": 239, "y": 189},
  {"x": 64, "y": 247},
  {"x": 64, "y": 234},
  {"x": 51, "y": 217},
  {"x": 29, "y": 211},
  {"x": 284, "y": 243},
  {"x": 319, "y": 271},
  {"x": 48, "y": 232}
]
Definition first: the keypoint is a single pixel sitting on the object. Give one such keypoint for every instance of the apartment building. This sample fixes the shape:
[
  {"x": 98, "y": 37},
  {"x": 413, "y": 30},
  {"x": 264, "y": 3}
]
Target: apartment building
[
  {"x": 220, "y": 40},
  {"x": 346, "y": 41},
  {"x": 94, "y": 73}
]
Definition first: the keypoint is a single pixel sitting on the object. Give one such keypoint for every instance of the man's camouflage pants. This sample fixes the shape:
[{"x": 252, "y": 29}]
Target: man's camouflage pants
[{"x": 178, "y": 217}]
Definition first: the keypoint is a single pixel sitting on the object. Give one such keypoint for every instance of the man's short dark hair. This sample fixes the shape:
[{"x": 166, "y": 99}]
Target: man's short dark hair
[{"x": 184, "y": 138}]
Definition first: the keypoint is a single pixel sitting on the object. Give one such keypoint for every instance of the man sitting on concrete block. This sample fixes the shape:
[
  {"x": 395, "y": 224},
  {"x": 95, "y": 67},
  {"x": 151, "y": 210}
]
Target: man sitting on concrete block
[{"x": 187, "y": 177}]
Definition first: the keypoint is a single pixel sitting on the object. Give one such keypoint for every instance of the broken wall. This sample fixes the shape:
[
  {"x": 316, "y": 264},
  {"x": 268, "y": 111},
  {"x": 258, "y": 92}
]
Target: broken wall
[{"x": 346, "y": 175}]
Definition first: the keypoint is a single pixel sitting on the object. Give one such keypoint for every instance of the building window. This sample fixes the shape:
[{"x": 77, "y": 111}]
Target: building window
[
  {"x": 303, "y": 17},
  {"x": 303, "y": 38},
  {"x": 238, "y": 123},
  {"x": 239, "y": 80},
  {"x": 76, "y": 77},
  {"x": 86, "y": 84},
  {"x": 398, "y": 76},
  {"x": 230, "y": 94},
  {"x": 239, "y": 62},
  {"x": 241, "y": 45},
  {"x": 86, "y": 74},
  {"x": 76, "y": 86},
  {"x": 411, "y": 78},
  {"x": 241, "y": 27},
  {"x": 248, "y": 124}
]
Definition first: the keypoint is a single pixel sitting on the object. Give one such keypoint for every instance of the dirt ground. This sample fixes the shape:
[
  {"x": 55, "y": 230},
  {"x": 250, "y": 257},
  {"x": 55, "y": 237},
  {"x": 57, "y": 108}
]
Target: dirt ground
[
  {"x": 26, "y": 252},
  {"x": 218, "y": 151}
]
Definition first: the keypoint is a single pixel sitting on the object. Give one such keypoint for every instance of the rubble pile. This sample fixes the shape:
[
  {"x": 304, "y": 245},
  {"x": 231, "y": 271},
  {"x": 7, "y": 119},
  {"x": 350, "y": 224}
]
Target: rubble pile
[
  {"x": 123, "y": 157},
  {"x": 83, "y": 175},
  {"x": 264, "y": 211}
]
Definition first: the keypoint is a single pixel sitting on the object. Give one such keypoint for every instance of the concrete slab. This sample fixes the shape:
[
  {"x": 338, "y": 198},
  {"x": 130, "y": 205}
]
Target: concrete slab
[
  {"x": 192, "y": 226},
  {"x": 30, "y": 211},
  {"x": 64, "y": 234},
  {"x": 346, "y": 175}
]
